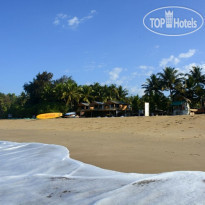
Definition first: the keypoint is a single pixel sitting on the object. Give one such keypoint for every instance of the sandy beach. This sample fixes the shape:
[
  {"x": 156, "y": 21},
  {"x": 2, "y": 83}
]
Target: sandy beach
[{"x": 132, "y": 144}]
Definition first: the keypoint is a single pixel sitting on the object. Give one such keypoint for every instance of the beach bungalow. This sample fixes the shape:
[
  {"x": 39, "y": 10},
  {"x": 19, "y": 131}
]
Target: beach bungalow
[
  {"x": 181, "y": 107},
  {"x": 97, "y": 105},
  {"x": 100, "y": 109},
  {"x": 93, "y": 109},
  {"x": 111, "y": 104},
  {"x": 119, "y": 108},
  {"x": 83, "y": 106}
]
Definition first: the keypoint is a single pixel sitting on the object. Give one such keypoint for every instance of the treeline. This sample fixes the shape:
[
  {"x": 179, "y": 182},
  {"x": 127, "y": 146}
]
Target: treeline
[
  {"x": 179, "y": 87},
  {"x": 44, "y": 94}
]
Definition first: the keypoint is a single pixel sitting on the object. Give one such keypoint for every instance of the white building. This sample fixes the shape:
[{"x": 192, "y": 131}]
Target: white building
[{"x": 181, "y": 108}]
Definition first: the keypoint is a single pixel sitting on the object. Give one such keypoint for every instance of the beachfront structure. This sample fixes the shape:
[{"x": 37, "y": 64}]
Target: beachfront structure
[
  {"x": 181, "y": 107},
  {"x": 107, "y": 109},
  {"x": 83, "y": 106}
]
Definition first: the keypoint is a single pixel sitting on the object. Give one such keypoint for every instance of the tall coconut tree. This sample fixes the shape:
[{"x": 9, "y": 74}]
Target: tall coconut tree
[
  {"x": 97, "y": 92},
  {"x": 171, "y": 80},
  {"x": 112, "y": 92},
  {"x": 190, "y": 89},
  {"x": 152, "y": 85},
  {"x": 71, "y": 94},
  {"x": 195, "y": 84},
  {"x": 196, "y": 74},
  {"x": 121, "y": 93},
  {"x": 154, "y": 95},
  {"x": 86, "y": 93},
  {"x": 105, "y": 93}
]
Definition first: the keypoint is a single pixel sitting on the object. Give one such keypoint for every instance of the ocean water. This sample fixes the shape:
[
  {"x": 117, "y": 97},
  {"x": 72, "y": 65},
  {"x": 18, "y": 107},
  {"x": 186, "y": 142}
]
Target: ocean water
[{"x": 34, "y": 173}]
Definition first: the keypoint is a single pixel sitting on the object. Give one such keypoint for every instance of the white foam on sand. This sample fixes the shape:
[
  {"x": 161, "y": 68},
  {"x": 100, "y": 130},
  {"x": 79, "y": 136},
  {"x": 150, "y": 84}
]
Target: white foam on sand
[{"x": 33, "y": 173}]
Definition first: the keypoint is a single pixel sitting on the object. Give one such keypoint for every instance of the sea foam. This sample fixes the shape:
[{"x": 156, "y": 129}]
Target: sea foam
[{"x": 34, "y": 173}]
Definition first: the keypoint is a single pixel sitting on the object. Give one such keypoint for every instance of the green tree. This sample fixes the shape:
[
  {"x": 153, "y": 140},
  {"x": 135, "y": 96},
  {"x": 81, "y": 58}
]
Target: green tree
[
  {"x": 37, "y": 89},
  {"x": 196, "y": 74},
  {"x": 121, "y": 93},
  {"x": 136, "y": 104},
  {"x": 194, "y": 86},
  {"x": 171, "y": 80},
  {"x": 97, "y": 92},
  {"x": 71, "y": 94},
  {"x": 152, "y": 85},
  {"x": 86, "y": 93}
]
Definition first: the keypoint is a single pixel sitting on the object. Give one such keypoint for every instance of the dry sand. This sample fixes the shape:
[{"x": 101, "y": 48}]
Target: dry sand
[{"x": 132, "y": 144}]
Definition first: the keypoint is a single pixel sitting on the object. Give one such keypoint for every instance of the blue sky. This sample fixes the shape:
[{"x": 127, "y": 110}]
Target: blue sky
[{"x": 92, "y": 41}]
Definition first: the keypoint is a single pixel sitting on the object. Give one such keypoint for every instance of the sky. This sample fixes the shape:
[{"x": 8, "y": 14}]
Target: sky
[{"x": 101, "y": 41}]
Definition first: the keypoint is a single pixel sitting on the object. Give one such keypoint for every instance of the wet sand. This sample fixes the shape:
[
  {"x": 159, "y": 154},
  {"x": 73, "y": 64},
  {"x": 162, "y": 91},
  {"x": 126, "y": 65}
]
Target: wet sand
[{"x": 132, "y": 144}]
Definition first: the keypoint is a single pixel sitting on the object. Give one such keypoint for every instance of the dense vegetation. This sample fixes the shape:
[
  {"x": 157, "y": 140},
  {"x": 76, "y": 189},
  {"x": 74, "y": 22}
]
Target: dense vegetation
[{"x": 44, "y": 94}]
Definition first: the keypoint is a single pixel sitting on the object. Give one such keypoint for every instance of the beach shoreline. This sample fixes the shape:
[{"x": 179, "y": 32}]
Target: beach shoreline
[{"x": 130, "y": 144}]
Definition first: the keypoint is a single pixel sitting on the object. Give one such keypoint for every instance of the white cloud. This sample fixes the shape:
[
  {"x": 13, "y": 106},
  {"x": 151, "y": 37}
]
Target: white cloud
[
  {"x": 114, "y": 74},
  {"x": 115, "y": 77},
  {"x": 145, "y": 71},
  {"x": 175, "y": 60},
  {"x": 86, "y": 18},
  {"x": 94, "y": 65},
  {"x": 171, "y": 59},
  {"x": 146, "y": 67},
  {"x": 56, "y": 22},
  {"x": 73, "y": 22},
  {"x": 78, "y": 21},
  {"x": 188, "y": 54},
  {"x": 93, "y": 11},
  {"x": 187, "y": 68},
  {"x": 62, "y": 16},
  {"x": 59, "y": 18}
]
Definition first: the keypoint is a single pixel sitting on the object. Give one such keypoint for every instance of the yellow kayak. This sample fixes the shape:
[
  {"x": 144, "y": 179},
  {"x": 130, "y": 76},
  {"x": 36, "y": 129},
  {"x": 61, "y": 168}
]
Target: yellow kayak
[{"x": 49, "y": 115}]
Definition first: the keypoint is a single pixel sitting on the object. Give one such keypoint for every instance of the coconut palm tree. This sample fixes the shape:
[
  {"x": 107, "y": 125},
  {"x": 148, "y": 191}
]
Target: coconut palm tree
[
  {"x": 71, "y": 94},
  {"x": 195, "y": 84},
  {"x": 112, "y": 92},
  {"x": 86, "y": 93},
  {"x": 152, "y": 85},
  {"x": 100, "y": 93},
  {"x": 154, "y": 95},
  {"x": 121, "y": 93},
  {"x": 171, "y": 80},
  {"x": 196, "y": 74}
]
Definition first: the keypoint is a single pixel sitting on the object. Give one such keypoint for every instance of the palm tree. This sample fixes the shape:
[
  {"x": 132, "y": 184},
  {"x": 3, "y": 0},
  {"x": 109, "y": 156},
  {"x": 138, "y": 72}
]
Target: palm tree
[
  {"x": 171, "y": 80},
  {"x": 121, "y": 93},
  {"x": 152, "y": 85},
  {"x": 105, "y": 93},
  {"x": 195, "y": 85},
  {"x": 154, "y": 95},
  {"x": 86, "y": 93},
  {"x": 71, "y": 94},
  {"x": 97, "y": 92},
  {"x": 190, "y": 89},
  {"x": 196, "y": 74},
  {"x": 112, "y": 92}
]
